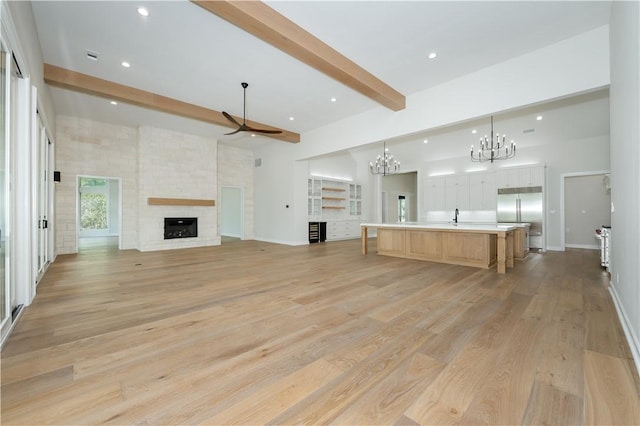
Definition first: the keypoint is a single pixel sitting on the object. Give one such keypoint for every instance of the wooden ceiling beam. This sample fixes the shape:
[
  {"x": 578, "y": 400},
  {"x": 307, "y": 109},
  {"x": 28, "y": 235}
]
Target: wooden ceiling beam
[
  {"x": 270, "y": 26},
  {"x": 84, "y": 83}
]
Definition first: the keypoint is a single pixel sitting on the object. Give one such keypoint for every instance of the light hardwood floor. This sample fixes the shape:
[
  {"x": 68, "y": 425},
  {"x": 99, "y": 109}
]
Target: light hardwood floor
[{"x": 258, "y": 333}]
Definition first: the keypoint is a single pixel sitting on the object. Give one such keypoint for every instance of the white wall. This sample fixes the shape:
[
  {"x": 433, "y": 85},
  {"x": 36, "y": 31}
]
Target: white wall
[
  {"x": 30, "y": 57},
  {"x": 576, "y": 65},
  {"x": 583, "y": 155},
  {"x": 281, "y": 195},
  {"x": 625, "y": 174}
]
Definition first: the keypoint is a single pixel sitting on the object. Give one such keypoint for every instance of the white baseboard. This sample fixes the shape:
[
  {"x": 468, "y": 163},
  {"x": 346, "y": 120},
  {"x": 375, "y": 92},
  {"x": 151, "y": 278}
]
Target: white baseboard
[
  {"x": 287, "y": 243},
  {"x": 554, "y": 248},
  {"x": 632, "y": 339},
  {"x": 583, "y": 246}
]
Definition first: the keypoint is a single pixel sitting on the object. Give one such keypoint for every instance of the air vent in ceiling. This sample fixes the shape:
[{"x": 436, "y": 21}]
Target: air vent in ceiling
[
  {"x": 258, "y": 162},
  {"x": 92, "y": 55},
  {"x": 528, "y": 130}
]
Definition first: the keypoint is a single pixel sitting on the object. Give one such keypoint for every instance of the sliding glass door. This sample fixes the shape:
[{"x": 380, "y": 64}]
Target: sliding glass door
[
  {"x": 6, "y": 296},
  {"x": 43, "y": 181}
]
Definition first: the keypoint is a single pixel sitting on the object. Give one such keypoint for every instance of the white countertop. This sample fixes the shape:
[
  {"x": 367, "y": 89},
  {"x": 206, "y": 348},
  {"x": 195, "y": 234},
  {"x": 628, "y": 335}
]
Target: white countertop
[{"x": 480, "y": 227}]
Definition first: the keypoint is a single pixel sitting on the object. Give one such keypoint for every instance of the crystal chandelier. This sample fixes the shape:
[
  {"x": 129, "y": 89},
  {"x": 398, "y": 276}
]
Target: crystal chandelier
[
  {"x": 493, "y": 149},
  {"x": 385, "y": 164}
]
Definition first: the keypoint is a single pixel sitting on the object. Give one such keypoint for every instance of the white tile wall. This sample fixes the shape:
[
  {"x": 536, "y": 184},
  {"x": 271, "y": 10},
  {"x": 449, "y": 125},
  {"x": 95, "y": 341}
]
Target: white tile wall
[
  {"x": 85, "y": 147},
  {"x": 151, "y": 162},
  {"x": 176, "y": 165}
]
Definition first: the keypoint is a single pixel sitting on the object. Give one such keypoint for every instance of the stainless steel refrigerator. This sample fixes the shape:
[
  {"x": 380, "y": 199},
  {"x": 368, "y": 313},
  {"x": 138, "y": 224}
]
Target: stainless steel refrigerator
[{"x": 523, "y": 205}]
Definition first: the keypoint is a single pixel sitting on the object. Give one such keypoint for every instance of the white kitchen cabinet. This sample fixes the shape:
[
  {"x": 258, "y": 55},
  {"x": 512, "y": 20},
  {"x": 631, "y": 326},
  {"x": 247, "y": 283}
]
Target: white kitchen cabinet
[
  {"x": 334, "y": 201},
  {"x": 531, "y": 176},
  {"x": 456, "y": 192},
  {"x": 536, "y": 177},
  {"x": 433, "y": 190},
  {"x": 507, "y": 178},
  {"x": 520, "y": 177},
  {"x": 314, "y": 198},
  {"x": 482, "y": 191},
  {"x": 343, "y": 229},
  {"x": 355, "y": 200}
]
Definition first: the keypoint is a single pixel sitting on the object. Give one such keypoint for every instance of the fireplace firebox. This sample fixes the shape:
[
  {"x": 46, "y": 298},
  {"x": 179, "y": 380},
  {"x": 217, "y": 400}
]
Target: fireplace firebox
[{"x": 180, "y": 227}]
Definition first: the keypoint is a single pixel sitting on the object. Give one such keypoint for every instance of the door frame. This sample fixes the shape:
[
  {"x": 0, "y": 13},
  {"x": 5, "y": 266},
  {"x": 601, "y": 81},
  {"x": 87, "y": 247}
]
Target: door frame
[
  {"x": 562, "y": 205},
  {"x": 108, "y": 178},
  {"x": 242, "y": 201}
]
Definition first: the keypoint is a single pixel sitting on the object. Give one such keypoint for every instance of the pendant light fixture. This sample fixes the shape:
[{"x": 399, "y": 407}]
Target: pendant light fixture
[
  {"x": 492, "y": 149},
  {"x": 385, "y": 164}
]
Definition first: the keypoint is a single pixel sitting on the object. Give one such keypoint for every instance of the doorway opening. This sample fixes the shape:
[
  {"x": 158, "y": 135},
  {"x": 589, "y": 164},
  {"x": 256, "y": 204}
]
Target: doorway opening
[
  {"x": 231, "y": 213},
  {"x": 99, "y": 213},
  {"x": 586, "y": 201},
  {"x": 399, "y": 199}
]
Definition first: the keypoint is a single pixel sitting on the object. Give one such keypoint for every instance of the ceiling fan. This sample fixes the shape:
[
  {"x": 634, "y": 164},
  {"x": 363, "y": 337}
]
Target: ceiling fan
[{"x": 243, "y": 127}]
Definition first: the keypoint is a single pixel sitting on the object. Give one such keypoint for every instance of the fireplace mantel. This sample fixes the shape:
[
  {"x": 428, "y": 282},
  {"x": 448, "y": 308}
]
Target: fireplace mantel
[{"x": 180, "y": 202}]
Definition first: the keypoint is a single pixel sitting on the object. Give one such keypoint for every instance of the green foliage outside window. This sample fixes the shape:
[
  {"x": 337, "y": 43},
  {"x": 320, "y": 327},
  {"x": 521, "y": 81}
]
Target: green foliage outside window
[
  {"x": 92, "y": 182},
  {"x": 93, "y": 211}
]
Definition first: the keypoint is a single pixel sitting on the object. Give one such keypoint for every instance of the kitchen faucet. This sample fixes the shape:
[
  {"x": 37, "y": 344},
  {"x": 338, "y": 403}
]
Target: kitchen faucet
[{"x": 455, "y": 218}]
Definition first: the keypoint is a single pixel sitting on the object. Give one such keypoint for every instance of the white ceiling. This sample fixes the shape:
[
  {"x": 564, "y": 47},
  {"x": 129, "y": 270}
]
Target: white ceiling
[{"x": 184, "y": 52}]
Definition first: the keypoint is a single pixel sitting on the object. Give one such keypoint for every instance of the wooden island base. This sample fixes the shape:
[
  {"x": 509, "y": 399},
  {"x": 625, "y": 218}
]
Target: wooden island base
[{"x": 482, "y": 247}]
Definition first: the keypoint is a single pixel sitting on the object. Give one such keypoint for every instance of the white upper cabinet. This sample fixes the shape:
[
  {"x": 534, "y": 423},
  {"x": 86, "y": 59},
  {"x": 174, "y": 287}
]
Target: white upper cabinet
[
  {"x": 507, "y": 178},
  {"x": 520, "y": 177},
  {"x": 315, "y": 198},
  {"x": 482, "y": 191},
  {"x": 433, "y": 191},
  {"x": 355, "y": 199},
  {"x": 456, "y": 193},
  {"x": 536, "y": 177}
]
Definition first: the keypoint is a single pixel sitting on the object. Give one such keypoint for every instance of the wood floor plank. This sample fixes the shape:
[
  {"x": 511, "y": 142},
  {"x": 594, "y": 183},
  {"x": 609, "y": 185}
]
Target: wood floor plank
[
  {"x": 550, "y": 406},
  {"x": 270, "y": 401},
  {"x": 252, "y": 332},
  {"x": 332, "y": 401},
  {"x": 504, "y": 397},
  {"x": 447, "y": 398},
  {"x": 386, "y": 401},
  {"x": 562, "y": 362},
  {"x": 608, "y": 391},
  {"x": 448, "y": 342}
]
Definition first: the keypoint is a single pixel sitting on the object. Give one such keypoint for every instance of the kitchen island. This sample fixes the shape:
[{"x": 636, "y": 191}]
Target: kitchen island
[{"x": 482, "y": 246}]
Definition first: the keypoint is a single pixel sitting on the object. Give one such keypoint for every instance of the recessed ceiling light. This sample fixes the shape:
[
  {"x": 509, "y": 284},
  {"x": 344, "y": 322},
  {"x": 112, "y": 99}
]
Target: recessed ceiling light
[
  {"x": 433, "y": 55},
  {"x": 539, "y": 118},
  {"x": 333, "y": 99},
  {"x": 113, "y": 103},
  {"x": 126, "y": 64},
  {"x": 142, "y": 11},
  {"x": 474, "y": 131},
  {"x": 253, "y": 135},
  {"x": 291, "y": 118},
  {"x": 425, "y": 141}
]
